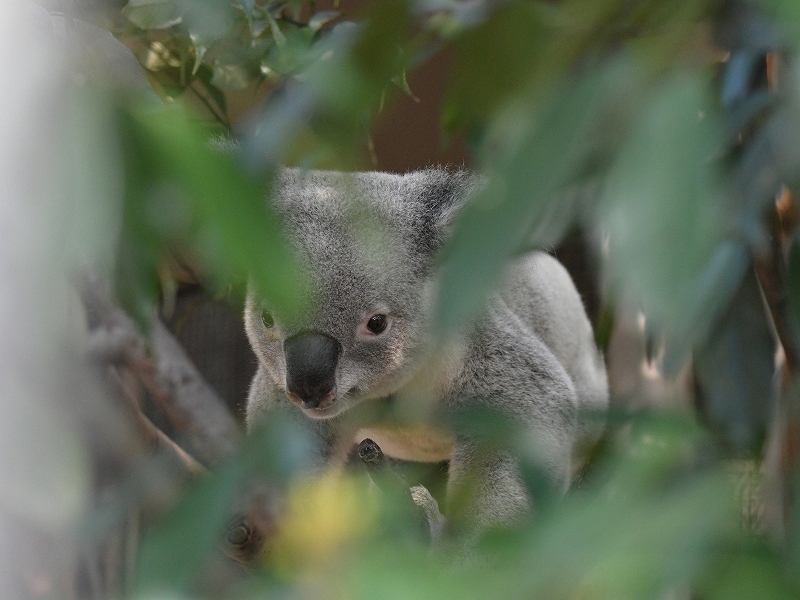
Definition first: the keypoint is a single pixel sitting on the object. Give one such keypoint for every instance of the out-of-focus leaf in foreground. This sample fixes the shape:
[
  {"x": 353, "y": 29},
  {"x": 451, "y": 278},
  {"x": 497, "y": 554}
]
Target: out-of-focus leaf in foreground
[
  {"x": 175, "y": 174},
  {"x": 663, "y": 210},
  {"x": 504, "y": 68},
  {"x": 734, "y": 370},
  {"x": 533, "y": 194},
  {"x": 325, "y": 517},
  {"x": 152, "y": 14},
  {"x": 645, "y": 528},
  {"x": 175, "y": 551}
]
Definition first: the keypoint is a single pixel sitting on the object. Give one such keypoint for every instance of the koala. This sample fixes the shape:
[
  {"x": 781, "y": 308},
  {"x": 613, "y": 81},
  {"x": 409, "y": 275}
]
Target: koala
[{"x": 359, "y": 359}]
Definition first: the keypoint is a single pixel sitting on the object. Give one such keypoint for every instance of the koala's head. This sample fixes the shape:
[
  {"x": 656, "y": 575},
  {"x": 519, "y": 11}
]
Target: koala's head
[{"x": 368, "y": 243}]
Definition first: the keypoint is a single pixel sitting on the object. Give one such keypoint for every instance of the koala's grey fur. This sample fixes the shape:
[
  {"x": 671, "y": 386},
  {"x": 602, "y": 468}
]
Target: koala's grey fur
[{"x": 369, "y": 243}]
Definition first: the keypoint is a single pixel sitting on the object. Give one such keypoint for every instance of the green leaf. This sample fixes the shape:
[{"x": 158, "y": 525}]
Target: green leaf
[
  {"x": 401, "y": 81},
  {"x": 141, "y": 247},
  {"x": 734, "y": 370},
  {"x": 526, "y": 201},
  {"x": 178, "y": 547},
  {"x": 664, "y": 209},
  {"x": 754, "y": 572},
  {"x": 277, "y": 34},
  {"x": 247, "y": 6},
  {"x": 152, "y": 14},
  {"x": 232, "y": 76},
  {"x": 319, "y": 19},
  {"x": 208, "y": 21},
  {"x": 173, "y": 553},
  {"x": 494, "y": 61},
  {"x": 235, "y": 229},
  {"x": 204, "y": 76}
]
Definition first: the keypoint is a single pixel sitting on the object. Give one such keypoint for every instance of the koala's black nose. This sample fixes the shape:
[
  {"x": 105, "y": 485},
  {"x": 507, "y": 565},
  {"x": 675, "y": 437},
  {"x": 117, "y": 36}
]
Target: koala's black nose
[{"x": 311, "y": 368}]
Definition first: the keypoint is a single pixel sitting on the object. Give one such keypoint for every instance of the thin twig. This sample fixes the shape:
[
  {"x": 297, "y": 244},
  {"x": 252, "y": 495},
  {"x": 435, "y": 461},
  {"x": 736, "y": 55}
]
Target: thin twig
[
  {"x": 223, "y": 121},
  {"x": 770, "y": 269}
]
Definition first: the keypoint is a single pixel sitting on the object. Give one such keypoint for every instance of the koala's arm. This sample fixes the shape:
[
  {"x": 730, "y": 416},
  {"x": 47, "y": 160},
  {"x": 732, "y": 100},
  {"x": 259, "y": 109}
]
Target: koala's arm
[
  {"x": 266, "y": 399},
  {"x": 512, "y": 374}
]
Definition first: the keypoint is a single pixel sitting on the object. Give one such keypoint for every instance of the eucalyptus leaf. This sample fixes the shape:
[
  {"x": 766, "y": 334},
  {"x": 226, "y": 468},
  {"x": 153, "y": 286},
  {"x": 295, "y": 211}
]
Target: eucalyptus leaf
[
  {"x": 319, "y": 19},
  {"x": 213, "y": 91},
  {"x": 173, "y": 553},
  {"x": 247, "y": 6},
  {"x": 487, "y": 73},
  {"x": 749, "y": 573},
  {"x": 525, "y": 202},
  {"x": 207, "y": 21},
  {"x": 277, "y": 34},
  {"x": 663, "y": 208},
  {"x": 232, "y": 76},
  {"x": 152, "y": 14},
  {"x": 734, "y": 370},
  {"x": 238, "y": 233}
]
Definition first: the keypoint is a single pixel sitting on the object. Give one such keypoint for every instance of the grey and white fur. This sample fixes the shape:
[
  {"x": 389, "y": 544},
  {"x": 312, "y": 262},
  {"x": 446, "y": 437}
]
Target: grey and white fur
[{"x": 368, "y": 243}]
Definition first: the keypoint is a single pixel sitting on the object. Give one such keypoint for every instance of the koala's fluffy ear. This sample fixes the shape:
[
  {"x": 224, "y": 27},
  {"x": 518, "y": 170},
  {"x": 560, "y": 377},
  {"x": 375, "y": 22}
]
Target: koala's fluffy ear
[{"x": 445, "y": 195}]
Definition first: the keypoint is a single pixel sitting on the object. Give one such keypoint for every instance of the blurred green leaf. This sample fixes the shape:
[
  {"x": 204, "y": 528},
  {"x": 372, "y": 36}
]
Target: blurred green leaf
[
  {"x": 176, "y": 549},
  {"x": 495, "y": 60},
  {"x": 525, "y": 202},
  {"x": 734, "y": 370},
  {"x": 232, "y": 76},
  {"x": 152, "y": 14},
  {"x": 293, "y": 56},
  {"x": 322, "y": 118},
  {"x": 236, "y": 231},
  {"x": 319, "y": 19},
  {"x": 277, "y": 34},
  {"x": 753, "y": 572},
  {"x": 173, "y": 553},
  {"x": 663, "y": 208},
  {"x": 207, "y": 21},
  {"x": 141, "y": 247},
  {"x": 360, "y": 63},
  {"x": 204, "y": 76},
  {"x": 627, "y": 545},
  {"x": 247, "y": 6},
  {"x": 785, "y": 15}
]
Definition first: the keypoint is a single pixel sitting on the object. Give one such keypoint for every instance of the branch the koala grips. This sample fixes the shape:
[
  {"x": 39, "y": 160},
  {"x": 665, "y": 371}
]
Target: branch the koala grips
[{"x": 392, "y": 483}]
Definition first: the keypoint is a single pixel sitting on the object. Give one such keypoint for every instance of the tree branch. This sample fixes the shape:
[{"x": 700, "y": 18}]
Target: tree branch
[{"x": 192, "y": 406}]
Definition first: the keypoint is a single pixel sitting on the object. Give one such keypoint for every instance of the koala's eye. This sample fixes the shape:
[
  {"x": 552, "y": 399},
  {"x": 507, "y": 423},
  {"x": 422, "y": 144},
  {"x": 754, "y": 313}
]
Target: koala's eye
[
  {"x": 267, "y": 320},
  {"x": 377, "y": 324}
]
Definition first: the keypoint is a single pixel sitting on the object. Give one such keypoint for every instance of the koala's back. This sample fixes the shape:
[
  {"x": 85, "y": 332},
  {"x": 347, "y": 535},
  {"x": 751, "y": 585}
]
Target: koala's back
[{"x": 540, "y": 291}]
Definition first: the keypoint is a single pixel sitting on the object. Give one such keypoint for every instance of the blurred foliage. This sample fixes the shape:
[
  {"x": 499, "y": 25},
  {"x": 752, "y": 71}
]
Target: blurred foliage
[
  {"x": 650, "y": 125},
  {"x": 178, "y": 188}
]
